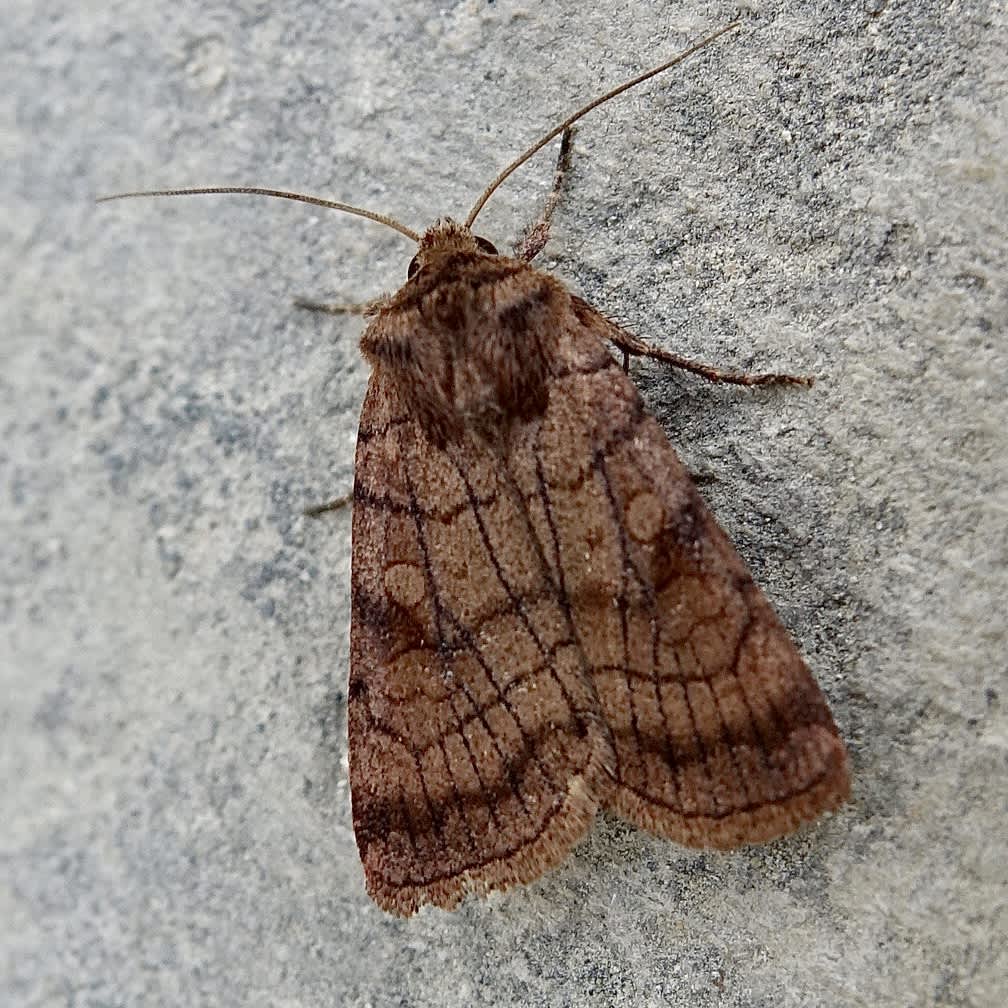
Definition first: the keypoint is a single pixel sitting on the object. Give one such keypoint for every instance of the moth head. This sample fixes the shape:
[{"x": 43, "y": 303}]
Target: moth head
[{"x": 446, "y": 237}]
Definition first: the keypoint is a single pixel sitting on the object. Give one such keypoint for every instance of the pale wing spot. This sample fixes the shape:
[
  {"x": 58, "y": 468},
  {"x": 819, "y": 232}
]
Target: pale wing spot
[
  {"x": 405, "y": 584},
  {"x": 410, "y": 698},
  {"x": 645, "y": 516},
  {"x": 415, "y": 677}
]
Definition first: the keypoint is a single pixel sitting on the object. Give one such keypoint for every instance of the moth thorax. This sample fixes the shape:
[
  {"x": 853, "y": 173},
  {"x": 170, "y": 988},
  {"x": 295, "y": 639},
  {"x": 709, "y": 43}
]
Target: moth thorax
[{"x": 471, "y": 342}]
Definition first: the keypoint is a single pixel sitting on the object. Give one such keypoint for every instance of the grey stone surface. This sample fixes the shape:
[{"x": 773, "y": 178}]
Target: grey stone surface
[{"x": 826, "y": 191}]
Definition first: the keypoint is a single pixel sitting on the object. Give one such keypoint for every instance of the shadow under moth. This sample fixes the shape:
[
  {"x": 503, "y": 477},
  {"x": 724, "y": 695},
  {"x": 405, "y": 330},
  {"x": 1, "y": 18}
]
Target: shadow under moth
[{"x": 546, "y": 618}]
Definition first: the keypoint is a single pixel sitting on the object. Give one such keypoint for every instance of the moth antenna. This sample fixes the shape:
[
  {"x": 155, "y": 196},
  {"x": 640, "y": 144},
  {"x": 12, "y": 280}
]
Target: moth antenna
[
  {"x": 279, "y": 194},
  {"x": 539, "y": 144}
]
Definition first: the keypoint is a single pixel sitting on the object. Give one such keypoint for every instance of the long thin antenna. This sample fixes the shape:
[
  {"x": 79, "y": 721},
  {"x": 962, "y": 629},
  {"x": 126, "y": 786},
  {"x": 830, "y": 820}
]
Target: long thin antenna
[
  {"x": 280, "y": 194},
  {"x": 518, "y": 162}
]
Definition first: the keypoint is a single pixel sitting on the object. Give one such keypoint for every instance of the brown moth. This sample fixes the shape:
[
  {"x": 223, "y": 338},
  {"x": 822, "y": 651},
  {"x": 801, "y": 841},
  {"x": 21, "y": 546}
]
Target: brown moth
[{"x": 546, "y": 618}]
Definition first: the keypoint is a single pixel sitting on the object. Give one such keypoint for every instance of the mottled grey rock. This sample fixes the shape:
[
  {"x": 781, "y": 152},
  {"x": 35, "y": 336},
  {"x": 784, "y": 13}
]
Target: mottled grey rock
[{"x": 823, "y": 192}]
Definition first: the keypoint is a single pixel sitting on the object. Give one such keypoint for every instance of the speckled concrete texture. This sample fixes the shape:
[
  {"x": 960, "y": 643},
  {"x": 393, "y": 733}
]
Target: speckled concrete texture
[{"x": 825, "y": 191}]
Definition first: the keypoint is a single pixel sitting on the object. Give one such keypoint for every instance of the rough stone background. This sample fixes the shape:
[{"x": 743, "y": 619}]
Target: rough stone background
[{"x": 826, "y": 191}]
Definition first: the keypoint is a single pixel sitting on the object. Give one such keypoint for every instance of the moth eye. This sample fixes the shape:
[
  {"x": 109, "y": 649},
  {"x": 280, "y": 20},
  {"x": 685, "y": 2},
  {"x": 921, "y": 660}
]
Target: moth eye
[
  {"x": 414, "y": 265},
  {"x": 485, "y": 246}
]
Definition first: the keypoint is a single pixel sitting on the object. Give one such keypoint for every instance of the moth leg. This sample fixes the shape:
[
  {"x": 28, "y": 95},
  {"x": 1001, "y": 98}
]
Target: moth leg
[
  {"x": 535, "y": 238},
  {"x": 336, "y": 504},
  {"x": 327, "y": 308},
  {"x": 633, "y": 346}
]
